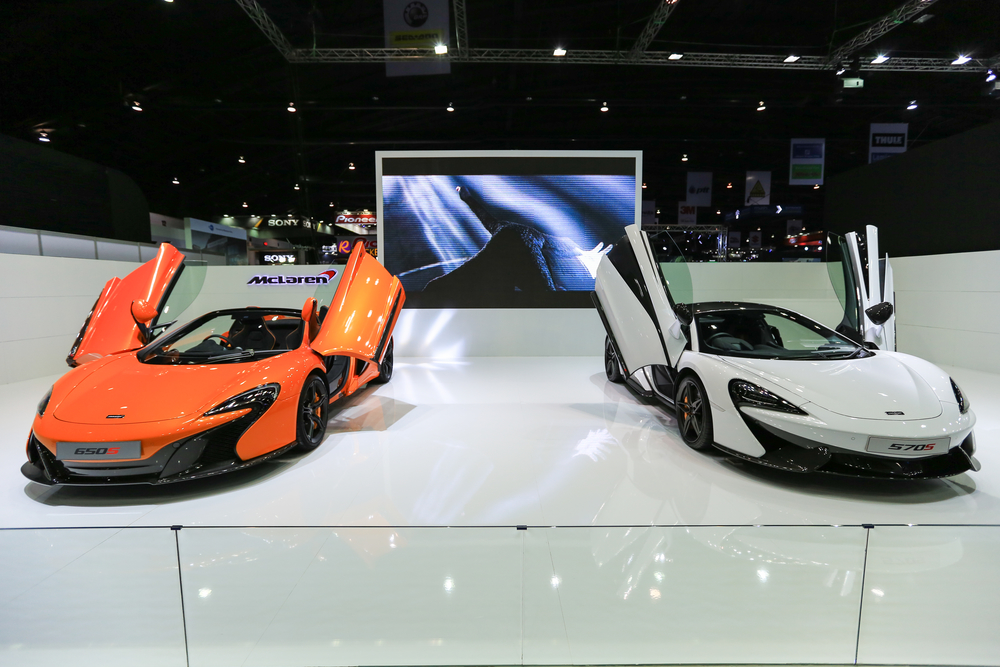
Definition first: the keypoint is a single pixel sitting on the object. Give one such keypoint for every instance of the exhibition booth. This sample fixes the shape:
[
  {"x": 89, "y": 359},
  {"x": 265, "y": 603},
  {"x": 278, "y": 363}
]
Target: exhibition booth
[{"x": 499, "y": 501}]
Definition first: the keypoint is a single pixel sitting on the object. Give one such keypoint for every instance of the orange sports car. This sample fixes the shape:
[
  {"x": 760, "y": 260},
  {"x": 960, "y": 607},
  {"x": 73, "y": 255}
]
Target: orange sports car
[{"x": 227, "y": 390}]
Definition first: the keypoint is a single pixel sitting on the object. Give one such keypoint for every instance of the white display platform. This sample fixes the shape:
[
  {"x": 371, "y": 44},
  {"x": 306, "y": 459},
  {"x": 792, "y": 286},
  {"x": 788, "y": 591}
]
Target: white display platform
[{"x": 396, "y": 542}]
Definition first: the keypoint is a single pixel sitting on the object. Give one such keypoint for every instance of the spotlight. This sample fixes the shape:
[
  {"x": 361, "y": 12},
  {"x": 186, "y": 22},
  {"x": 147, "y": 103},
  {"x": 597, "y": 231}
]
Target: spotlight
[
  {"x": 912, "y": 105},
  {"x": 242, "y": 161},
  {"x": 643, "y": 186},
  {"x": 761, "y": 107},
  {"x": 684, "y": 158},
  {"x": 291, "y": 107},
  {"x": 816, "y": 187},
  {"x": 136, "y": 106},
  {"x": 450, "y": 107},
  {"x": 990, "y": 76},
  {"x": 44, "y": 137},
  {"x": 331, "y": 204},
  {"x": 675, "y": 56},
  {"x": 880, "y": 58},
  {"x": 604, "y": 107},
  {"x": 441, "y": 49},
  {"x": 729, "y": 186},
  {"x": 175, "y": 181},
  {"x": 791, "y": 59},
  {"x": 245, "y": 205},
  {"x": 961, "y": 60},
  {"x": 559, "y": 52},
  {"x": 841, "y": 70},
  {"x": 351, "y": 166},
  {"x": 296, "y": 186},
  {"x": 719, "y": 212}
]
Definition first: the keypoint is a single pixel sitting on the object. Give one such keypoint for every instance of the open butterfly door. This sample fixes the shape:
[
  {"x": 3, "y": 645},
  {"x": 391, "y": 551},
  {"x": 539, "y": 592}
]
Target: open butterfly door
[
  {"x": 871, "y": 277},
  {"x": 363, "y": 311},
  {"x": 128, "y": 308},
  {"x": 635, "y": 305}
]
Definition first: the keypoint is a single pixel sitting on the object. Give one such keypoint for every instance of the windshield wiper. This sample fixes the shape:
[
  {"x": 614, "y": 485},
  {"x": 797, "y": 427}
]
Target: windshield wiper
[{"x": 231, "y": 356}]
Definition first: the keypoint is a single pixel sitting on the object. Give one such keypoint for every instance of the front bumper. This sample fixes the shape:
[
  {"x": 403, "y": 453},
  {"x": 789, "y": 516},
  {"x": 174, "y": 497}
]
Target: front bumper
[
  {"x": 211, "y": 452},
  {"x": 808, "y": 444}
]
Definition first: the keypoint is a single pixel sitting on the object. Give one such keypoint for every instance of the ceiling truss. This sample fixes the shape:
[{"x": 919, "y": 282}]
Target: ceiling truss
[
  {"x": 889, "y": 22},
  {"x": 663, "y": 11}
]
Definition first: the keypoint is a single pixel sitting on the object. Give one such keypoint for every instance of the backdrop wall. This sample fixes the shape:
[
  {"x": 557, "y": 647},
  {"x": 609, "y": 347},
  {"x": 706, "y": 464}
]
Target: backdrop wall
[{"x": 948, "y": 308}]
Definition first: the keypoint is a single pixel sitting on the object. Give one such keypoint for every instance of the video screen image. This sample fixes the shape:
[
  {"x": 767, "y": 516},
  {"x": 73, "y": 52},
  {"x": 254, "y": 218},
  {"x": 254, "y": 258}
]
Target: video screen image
[{"x": 489, "y": 240}]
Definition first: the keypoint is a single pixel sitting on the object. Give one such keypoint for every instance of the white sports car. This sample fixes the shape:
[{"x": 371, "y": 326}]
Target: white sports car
[{"x": 771, "y": 386}]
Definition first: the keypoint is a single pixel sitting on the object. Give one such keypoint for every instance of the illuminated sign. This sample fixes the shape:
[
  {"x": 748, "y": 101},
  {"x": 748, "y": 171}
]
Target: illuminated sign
[{"x": 280, "y": 258}]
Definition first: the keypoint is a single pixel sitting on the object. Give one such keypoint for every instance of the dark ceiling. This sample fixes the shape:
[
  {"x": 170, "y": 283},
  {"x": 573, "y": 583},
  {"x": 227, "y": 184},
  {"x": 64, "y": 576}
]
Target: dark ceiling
[{"x": 213, "y": 89}]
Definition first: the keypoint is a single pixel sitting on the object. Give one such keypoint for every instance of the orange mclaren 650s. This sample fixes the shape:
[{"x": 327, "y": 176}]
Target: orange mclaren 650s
[{"x": 146, "y": 403}]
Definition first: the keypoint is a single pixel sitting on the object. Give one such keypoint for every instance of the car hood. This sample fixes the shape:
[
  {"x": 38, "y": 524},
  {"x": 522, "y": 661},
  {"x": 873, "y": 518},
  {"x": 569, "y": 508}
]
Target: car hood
[
  {"x": 147, "y": 392},
  {"x": 867, "y": 388}
]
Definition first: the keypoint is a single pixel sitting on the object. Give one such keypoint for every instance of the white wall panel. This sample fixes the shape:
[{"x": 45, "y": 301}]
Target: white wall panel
[
  {"x": 69, "y": 246},
  {"x": 19, "y": 243},
  {"x": 121, "y": 252}
]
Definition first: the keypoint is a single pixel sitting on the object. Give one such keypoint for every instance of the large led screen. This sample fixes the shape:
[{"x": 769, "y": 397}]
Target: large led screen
[{"x": 502, "y": 229}]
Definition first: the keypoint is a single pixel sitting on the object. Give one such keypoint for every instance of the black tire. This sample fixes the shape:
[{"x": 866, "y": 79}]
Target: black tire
[
  {"x": 313, "y": 414},
  {"x": 611, "y": 366},
  {"x": 694, "y": 413},
  {"x": 385, "y": 368}
]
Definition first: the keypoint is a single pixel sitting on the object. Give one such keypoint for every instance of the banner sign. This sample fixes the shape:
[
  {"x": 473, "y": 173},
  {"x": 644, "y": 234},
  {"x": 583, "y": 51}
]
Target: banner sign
[
  {"x": 320, "y": 279},
  {"x": 687, "y": 214},
  {"x": 699, "y": 188},
  {"x": 754, "y": 239},
  {"x": 806, "y": 162},
  {"x": 758, "y": 188},
  {"x": 734, "y": 239},
  {"x": 355, "y": 218},
  {"x": 886, "y": 140},
  {"x": 416, "y": 24},
  {"x": 346, "y": 244}
]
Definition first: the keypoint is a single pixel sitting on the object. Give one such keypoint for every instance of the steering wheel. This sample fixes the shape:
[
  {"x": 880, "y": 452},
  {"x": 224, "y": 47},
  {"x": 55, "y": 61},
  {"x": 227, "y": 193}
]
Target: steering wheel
[
  {"x": 741, "y": 345},
  {"x": 223, "y": 341}
]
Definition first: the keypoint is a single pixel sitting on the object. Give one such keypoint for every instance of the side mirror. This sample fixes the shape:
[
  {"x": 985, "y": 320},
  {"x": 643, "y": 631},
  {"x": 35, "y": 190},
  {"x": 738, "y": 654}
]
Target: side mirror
[
  {"x": 869, "y": 345},
  {"x": 142, "y": 312},
  {"x": 683, "y": 313},
  {"x": 880, "y": 313}
]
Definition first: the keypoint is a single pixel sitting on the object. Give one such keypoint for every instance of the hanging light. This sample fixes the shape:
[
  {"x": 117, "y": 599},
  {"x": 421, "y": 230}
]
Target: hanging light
[
  {"x": 761, "y": 107},
  {"x": 961, "y": 60},
  {"x": 816, "y": 187},
  {"x": 643, "y": 186},
  {"x": 604, "y": 107},
  {"x": 675, "y": 56},
  {"x": 729, "y": 186},
  {"x": 44, "y": 137},
  {"x": 450, "y": 107},
  {"x": 684, "y": 158},
  {"x": 441, "y": 49},
  {"x": 912, "y": 105},
  {"x": 791, "y": 59},
  {"x": 242, "y": 161},
  {"x": 351, "y": 166},
  {"x": 136, "y": 106},
  {"x": 331, "y": 204},
  {"x": 296, "y": 186},
  {"x": 879, "y": 59},
  {"x": 175, "y": 181},
  {"x": 559, "y": 52},
  {"x": 245, "y": 205},
  {"x": 291, "y": 107},
  {"x": 990, "y": 76}
]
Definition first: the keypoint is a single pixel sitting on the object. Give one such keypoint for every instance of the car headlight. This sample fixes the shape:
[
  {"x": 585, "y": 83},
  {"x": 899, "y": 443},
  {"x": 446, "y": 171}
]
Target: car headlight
[
  {"x": 963, "y": 402},
  {"x": 44, "y": 403},
  {"x": 260, "y": 398},
  {"x": 748, "y": 394}
]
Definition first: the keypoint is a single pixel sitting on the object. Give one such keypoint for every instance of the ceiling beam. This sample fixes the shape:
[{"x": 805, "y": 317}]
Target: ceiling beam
[
  {"x": 461, "y": 28},
  {"x": 267, "y": 26},
  {"x": 663, "y": 11},
  {"x": 890, "y": 21},
  {"x": 610, "y": 57}
]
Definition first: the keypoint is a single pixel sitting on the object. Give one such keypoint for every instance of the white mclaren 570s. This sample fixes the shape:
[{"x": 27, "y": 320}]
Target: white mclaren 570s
[{"x": 774, "y": 387}]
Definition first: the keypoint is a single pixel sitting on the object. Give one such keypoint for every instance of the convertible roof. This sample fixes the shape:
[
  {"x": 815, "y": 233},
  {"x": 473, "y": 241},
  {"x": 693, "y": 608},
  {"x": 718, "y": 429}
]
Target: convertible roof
[{"x": 718, "y": 306}]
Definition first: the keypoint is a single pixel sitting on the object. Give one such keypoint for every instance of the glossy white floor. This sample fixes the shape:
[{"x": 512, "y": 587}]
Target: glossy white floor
[{"x": 396, "y": 542}]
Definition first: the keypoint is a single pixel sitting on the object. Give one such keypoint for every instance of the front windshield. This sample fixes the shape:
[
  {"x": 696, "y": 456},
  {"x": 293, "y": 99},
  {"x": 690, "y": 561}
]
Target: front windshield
[
  {"x": 228, "y": 337},
  {"x": 771, "y": 334}
]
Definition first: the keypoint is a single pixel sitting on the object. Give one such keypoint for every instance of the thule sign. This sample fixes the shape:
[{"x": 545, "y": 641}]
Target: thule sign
[{"x": 320, "y": 279}]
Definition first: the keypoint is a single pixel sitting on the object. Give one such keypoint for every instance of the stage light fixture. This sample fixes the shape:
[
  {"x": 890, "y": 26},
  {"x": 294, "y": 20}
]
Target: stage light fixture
[
  {"x": 351, "y": 166},
  {"x": 559, "y": 52},
  {"x": 729, "y": 186},
  {"x": 816, "y": 187},
  {"x": 791, "y": 59},
  {"x": 643, "y": 186},
  {"x": 441, "y": 49},
  {"x": 684, "y": 158},
  {"x": 136, "y": 106},
  {"x": 761, "y": 107},
  {"x": 675, "y": 56},
  {"x": 990, "y": 76},
  {"x": 961, "y": 60},
  {"x": 450, "y": 107},
  {"x": 296, "y": 186},
  {"x": 175, "y": 181},
  {"x": 291, "y": 107},
  {"x": 912, "y": 105},
  {"x": 242, "y": 161},
  {"x": 880, "y": 58},
  {"x": 44, "y": 137},
  {"x": 245, "y": 205},
  {"x": 604, "y": 107}
]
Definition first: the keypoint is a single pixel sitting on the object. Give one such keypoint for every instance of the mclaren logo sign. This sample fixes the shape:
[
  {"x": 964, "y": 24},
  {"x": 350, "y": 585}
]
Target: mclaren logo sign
[{"x": 320, "y": 279}]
